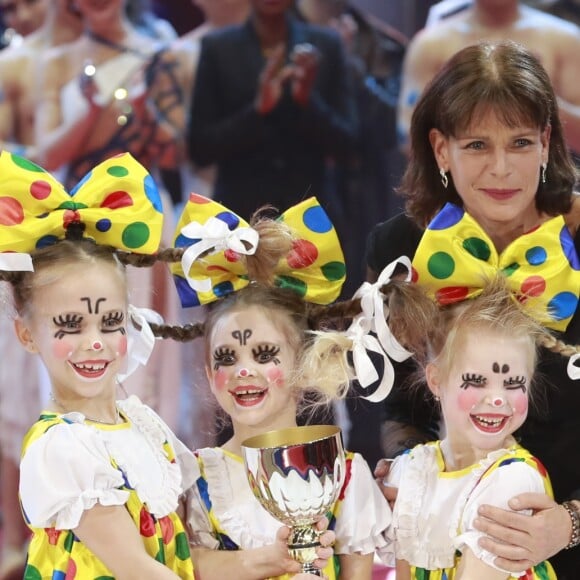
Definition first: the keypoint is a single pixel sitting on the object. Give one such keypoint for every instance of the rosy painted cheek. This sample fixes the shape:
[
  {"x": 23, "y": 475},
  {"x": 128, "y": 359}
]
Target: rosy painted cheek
[
  {"x": 275, "y": 376},
  {"x": 467, "y": 399},
  {"x": 62, "y": 349},
  {"x": 122, "y": 346},
  {"x": 519, "y": 404},
  {"x": 220, "y": 379}
]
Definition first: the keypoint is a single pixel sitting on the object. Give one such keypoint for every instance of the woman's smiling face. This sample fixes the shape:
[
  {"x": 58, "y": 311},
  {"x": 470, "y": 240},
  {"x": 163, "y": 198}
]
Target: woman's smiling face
[{"x": 495, "y": 169}]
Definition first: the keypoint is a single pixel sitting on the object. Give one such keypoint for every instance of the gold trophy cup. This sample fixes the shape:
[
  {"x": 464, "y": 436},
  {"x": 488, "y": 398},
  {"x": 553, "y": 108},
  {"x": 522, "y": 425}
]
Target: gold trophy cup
[{"x": 296, "y": 474}]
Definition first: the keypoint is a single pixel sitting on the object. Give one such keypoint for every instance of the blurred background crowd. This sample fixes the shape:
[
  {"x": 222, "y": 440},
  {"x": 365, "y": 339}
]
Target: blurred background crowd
[{"x": 196, "y": 90}]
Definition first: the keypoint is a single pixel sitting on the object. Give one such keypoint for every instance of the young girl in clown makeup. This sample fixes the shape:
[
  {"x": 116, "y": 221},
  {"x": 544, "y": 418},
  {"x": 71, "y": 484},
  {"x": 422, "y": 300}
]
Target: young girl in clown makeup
[
  {"x": 254, "y": 339},
  {"x": 100, "y": 478},
  {"x": 479, "y": 365}
]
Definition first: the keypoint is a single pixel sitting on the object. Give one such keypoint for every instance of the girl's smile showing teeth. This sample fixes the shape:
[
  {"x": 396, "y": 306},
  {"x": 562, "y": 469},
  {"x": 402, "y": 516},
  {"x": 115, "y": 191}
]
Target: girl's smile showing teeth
[
  {"x": 90, "y": 369},
  {"x": 490, "y": 423},
  {"x": 248, "y": 396}
]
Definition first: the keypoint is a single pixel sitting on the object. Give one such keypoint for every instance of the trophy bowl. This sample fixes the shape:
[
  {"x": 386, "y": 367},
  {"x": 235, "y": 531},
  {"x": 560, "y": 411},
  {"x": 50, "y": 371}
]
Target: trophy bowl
[{"x": 296, "y": 474}]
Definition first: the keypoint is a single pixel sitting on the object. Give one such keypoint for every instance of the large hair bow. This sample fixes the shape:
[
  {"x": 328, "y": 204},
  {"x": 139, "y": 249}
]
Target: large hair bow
[
  {"x": 455, "y": 257},
  {"x": 216, "y": 238},
  {"x": 117, "y": 202}
]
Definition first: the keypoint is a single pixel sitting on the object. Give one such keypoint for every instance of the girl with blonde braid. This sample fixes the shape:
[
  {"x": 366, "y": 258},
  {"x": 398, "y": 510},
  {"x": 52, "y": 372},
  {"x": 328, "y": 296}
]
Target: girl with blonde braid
[
  {"x": 478, "y": 359},
  {"x": 270, "y": 280}
]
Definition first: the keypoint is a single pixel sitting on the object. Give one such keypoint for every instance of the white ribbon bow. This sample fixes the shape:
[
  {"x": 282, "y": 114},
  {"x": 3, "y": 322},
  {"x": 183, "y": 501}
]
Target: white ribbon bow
[
  {"x": 15, "y": 262},
  {"x": 374, "y": 319},
  {"x": 573, "y": 370},
  {"x": 366, "y": 372},
  {"x": 214, "y": 235},
  {"x": 140, "y": 343}
]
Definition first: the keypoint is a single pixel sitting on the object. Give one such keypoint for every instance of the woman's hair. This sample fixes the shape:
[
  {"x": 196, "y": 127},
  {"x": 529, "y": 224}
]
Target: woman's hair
[{"x": 502, "y": 78}]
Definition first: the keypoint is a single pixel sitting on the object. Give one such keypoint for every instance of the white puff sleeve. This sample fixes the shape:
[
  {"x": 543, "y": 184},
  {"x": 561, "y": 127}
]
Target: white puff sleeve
[
  {"x": 364, "y": 515},
  {"x": 65, "y": 472},
  {"x": 496, "y": 489}
]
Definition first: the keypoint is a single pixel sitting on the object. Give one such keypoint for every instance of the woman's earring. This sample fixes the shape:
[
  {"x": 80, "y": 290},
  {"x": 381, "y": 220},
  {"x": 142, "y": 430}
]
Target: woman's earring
[
  {"x": 544, "y": 167},
  {"x": 437, "y": 398},
  {"x": 444, "y": 178}
]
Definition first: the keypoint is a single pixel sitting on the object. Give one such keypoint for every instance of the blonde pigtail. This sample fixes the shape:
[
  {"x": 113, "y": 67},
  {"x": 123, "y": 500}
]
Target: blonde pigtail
[
  {"x": 553, "y": 344},
  {"x": 324, "y": 363}
]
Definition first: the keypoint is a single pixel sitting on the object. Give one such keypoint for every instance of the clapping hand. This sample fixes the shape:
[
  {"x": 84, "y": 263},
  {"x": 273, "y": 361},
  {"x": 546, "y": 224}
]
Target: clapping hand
[
  {"x": 305, "y": 60},
  {"x": 301, "y": 73},
  {"x": 272, "y": 80}
]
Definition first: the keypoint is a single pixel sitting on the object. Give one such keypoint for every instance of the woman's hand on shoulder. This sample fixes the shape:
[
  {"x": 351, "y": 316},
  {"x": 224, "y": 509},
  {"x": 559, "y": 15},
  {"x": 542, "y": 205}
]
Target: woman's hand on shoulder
[
  {"x": 520, "y": 541},
  {"x": 381, "y": 473}
]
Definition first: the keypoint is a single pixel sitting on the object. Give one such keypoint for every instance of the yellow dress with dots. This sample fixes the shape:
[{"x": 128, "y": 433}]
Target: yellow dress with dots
[
  {"x": 435, "y": 509},
  {"x": 69, "y": 464}
]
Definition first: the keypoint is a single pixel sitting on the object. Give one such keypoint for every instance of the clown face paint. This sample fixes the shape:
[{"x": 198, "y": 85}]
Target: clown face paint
[
  {"x": 72, "y": 315},
  {"x": 484, "y": 399},
  {"x": 251, "y": 361}
]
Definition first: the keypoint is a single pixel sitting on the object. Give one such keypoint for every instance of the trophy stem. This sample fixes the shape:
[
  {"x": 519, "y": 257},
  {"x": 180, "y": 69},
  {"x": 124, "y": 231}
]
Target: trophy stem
[
  {"x": 302, "y": 544},
  {"x": 309, "y": 568}
]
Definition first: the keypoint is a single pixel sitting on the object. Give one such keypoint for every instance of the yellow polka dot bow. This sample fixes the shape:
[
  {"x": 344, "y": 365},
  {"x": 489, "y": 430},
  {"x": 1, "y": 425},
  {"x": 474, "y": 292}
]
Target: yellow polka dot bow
[
  {"x": 117, "y": 202},
  {"x": 216, "y": 238},
  {"x": 455, "y": 257}
]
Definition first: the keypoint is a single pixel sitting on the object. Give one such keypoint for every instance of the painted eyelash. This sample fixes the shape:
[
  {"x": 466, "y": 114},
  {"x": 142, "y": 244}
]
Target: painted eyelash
[
  {"x": 269, "y": 350},
  {"x": 471, "y": 379},
  {"x": 61, "y": 320},
  {"x": 515, "y": 381},
  {"x": 220, "y": 355},
  {"x": 263, "y": 348},
  {"x": 112, "y": 321},
  {"x": 64, "y": 321}
]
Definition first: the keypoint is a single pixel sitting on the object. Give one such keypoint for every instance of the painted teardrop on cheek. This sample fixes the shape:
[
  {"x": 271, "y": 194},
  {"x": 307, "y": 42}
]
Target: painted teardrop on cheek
[
  {"x": 520, "y": 403},
  {"x": 62, "y": 349},
  {"x": 275, "y": 376},
  {"x": 467, "y": 399}
]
